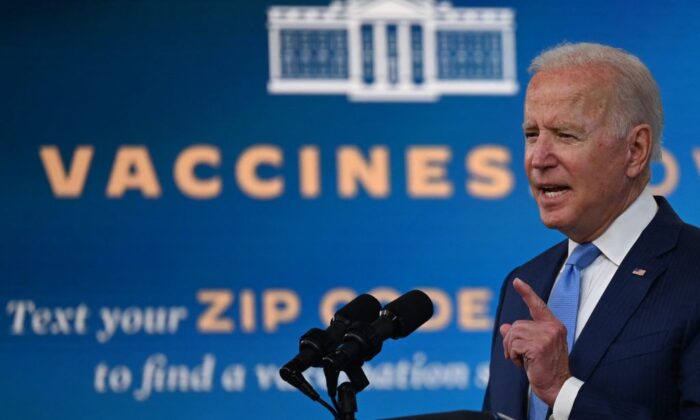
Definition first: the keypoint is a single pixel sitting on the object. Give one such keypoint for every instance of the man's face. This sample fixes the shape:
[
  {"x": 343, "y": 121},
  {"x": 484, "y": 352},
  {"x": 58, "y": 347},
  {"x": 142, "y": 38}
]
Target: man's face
[{"x": 575, "y": 163}]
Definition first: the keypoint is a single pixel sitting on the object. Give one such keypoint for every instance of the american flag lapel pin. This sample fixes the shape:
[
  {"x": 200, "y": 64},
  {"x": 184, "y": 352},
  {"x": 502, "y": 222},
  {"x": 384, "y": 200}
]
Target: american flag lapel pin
[{"x": 639, "y": 272}]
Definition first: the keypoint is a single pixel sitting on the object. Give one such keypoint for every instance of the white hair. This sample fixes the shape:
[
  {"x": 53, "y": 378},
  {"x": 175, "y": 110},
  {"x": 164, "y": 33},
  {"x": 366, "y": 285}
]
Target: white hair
[{"x": 636, "y": 91}]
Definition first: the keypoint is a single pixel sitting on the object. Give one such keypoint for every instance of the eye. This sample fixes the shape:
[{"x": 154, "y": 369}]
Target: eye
[
  {"x": 567, "y": 136},
  {"x": 531, "y": 135}
]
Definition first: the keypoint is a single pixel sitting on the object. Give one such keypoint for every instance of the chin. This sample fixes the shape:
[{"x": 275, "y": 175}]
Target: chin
[{"x": 553, "y": 220}]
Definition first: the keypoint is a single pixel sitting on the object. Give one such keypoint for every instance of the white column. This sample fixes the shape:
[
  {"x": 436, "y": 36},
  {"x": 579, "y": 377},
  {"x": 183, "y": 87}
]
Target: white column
[
  {"x": 379, "y": 41},
  {"x": 508, "y": 39},
  {"x": 429, "y": 54},
  {"x": 273, "y": 41},
  {"x": 404, "y": 52},
  {"x": 355, "y": 53}
]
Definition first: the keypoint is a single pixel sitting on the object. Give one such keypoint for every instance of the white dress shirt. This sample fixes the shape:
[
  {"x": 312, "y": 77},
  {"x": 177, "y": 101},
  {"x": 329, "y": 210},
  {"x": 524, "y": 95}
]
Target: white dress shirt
[{"x": 614, "y": 244}]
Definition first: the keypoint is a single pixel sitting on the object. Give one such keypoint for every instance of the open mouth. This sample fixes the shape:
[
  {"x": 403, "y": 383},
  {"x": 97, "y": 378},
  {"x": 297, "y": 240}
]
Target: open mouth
[{"x": 553, "y": 191}]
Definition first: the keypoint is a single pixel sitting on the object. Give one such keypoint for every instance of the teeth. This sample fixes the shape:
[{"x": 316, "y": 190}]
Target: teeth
[{"x": 552, "y": 193}]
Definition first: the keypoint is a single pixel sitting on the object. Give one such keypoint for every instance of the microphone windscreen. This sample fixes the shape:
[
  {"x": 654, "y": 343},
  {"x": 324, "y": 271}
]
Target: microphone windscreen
[
  {"x": 412, "y": 310},
  {"x": 364, "y": 308}
]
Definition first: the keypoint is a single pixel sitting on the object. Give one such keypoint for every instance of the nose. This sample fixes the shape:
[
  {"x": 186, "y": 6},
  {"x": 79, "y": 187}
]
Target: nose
[{"x": 539, "y": 153}]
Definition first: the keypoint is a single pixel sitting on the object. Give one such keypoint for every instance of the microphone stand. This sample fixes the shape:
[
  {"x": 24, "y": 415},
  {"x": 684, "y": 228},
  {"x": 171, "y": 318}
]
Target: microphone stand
[{"x": 346, "y": 403}]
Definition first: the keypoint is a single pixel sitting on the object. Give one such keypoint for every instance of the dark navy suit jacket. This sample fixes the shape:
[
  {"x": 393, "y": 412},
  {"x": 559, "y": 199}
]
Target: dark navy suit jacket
[{"x": 639, "y": 353}]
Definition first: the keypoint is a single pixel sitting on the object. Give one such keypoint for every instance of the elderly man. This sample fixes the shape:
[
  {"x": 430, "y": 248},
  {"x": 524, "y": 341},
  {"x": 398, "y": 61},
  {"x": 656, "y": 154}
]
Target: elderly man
[{"x": 619, "y": 334}]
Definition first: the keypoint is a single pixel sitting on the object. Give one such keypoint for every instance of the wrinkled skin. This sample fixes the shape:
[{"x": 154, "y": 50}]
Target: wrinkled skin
[
  {"x": 538, "y": 346},
  {"x": 571, "y": 147},
  {"x": 583, "y": 175}
]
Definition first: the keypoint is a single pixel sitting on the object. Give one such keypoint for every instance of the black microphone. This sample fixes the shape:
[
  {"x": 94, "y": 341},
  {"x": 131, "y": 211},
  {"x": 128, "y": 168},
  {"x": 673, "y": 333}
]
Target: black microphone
[
  {"x": 317, "y": 343},
  {"x": 398, "y": 319}
]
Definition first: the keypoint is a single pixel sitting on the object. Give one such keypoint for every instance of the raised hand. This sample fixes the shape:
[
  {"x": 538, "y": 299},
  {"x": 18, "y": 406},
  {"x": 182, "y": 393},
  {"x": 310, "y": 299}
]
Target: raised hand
[{"x": 539, "y": 346}]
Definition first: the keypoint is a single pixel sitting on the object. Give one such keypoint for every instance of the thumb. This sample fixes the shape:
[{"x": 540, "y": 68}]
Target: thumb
[{"x": 503, "y": 329}]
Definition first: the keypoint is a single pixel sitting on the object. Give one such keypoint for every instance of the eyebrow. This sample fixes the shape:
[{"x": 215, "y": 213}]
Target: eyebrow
[
  {"x": 528, "y": 125},
  {"x": 566, "y": 127}
]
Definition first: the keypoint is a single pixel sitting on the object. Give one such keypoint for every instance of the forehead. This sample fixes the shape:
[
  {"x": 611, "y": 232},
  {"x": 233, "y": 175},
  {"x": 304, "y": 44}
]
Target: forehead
[{"x": 570, "y": 93}]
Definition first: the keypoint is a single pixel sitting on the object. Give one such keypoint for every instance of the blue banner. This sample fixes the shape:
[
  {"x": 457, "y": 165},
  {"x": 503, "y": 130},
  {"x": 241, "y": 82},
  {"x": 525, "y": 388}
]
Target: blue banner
[{"x": 188, "y": 187}]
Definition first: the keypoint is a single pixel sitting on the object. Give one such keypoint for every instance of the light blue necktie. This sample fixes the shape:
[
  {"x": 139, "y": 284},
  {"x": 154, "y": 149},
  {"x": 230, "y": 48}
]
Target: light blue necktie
[{"x": 563, "y": 302}]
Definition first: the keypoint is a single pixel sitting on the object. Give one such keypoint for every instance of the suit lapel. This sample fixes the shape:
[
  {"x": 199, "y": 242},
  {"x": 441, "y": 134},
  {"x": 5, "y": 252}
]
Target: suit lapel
[
  {"x": 622, "y": 297},
  {"x": 541, "y": 276},
  {"x": 625, "y": 291}
]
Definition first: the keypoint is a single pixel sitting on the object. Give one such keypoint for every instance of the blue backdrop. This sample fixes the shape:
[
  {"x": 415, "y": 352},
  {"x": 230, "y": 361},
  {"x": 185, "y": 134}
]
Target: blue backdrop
[{"x": 125, "y": 296}]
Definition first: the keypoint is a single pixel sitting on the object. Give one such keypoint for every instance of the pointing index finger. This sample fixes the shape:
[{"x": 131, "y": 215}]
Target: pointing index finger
[{"x": 538, "y": 308}]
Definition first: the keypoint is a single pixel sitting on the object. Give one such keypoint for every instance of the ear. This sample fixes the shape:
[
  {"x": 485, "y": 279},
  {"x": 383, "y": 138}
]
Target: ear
[{"x": 639, "y": 150}]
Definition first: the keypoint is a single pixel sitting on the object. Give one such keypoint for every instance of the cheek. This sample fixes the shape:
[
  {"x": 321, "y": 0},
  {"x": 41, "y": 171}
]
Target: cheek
[
  {"x": 599, "y": 181},
  {"x": 527, "y": 162}
]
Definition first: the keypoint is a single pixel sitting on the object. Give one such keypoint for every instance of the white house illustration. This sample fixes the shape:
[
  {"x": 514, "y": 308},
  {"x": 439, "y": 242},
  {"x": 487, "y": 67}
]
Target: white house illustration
[{"x": 391, "y": 50}]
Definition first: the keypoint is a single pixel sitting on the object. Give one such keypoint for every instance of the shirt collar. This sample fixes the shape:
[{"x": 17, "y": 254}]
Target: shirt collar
[{"x": 621, "y": 235}]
